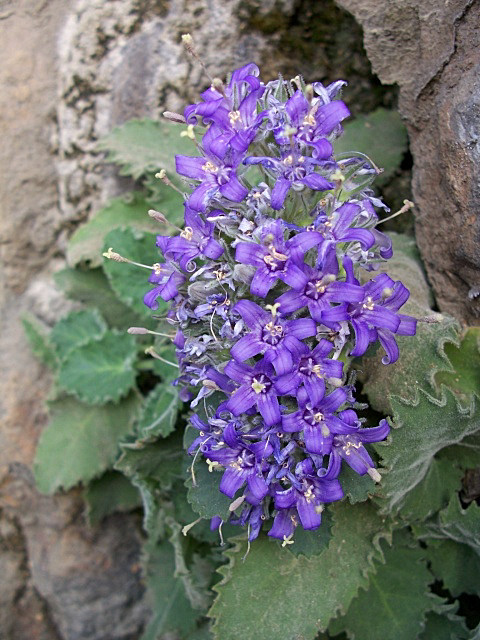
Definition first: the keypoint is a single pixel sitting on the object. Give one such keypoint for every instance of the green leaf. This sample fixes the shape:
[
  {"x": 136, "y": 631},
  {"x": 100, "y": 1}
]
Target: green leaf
[
  {"x": 205, "y": 496},
  {"x": 394, "y": 605},
  {"x": 380, "y": 135},
  {"x": 166, "y": 371},
  {"x": 165, "y": 199},
  {"x": 172, "y": 609},
  {"x": 86, "y": 243},
  {"x": 39, "y": 341},
  {"x": 80, "y": 442},
  {"x": 100, "y": 371},
  {"x": 161, "y": 461},
  {"x": 442, "y": 480},
  {"x": 159, "y": 413},
  {"x": 456, "y": 565},
  {"x": 77, "y": 329},
  {"x": 356, "y": 488},
  {"x": 130, "y": 283},
  {"x": 444, "y": 627},
  {"x": 310, "y": 543},
  {"x": 92, "y": 288},
  {"x": 110, "y": 493},
  {"x": 454, "y": 523},
  {"x": 424, "y": 427},
  {"x": 274, "y": 594},
  {"x": 465, "y": 360},
  {"x": 145, "y": 146}
]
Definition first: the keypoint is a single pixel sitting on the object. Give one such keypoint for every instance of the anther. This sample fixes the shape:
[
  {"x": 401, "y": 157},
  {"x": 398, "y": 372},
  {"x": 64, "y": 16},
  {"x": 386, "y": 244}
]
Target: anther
[
  {"x": 187, "y": 527},
  {"x": 188, "y": 133},
  {"x": 139, "y": 331},
  {"x": 236, "y": 503},
  {"x": 287, "y": 540},
  {"x": 374, "y": 475},
  {"x": 174, "y": 117},
  {"x": 150, "y": 351}
]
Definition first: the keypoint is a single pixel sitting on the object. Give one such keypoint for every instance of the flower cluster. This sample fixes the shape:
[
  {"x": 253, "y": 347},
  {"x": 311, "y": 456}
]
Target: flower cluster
[{"x": 271, "y": 292}]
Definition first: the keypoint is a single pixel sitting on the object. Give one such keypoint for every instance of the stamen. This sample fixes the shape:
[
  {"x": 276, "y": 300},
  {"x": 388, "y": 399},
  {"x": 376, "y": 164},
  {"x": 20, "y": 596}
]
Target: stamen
[
  {"x": 273, "y": 308},
  {"x": 116, "y": 257},
  {"x": 257, "y": 386},
  {"x": 174, "y": 117},
  {"x": 162, "y": 175},
  {"x": 212, "y": 464},
  {"x": 189, "y": 133},
  {"x": 187, "y": 42},
  {"x": 138, "y": 331},
  {"x": 287, "y": 540},
  {"x": 150, "y": 351},
  {"x": 187, "y": 527},
  {"x": 407, "y": 205}
]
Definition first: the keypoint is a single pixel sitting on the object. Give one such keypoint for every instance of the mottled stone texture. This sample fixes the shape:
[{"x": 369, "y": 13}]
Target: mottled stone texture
[{"x": 431, "y": 49}]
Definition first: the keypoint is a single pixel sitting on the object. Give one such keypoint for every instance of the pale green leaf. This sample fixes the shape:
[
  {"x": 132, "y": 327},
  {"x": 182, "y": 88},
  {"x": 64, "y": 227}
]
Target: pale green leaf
[
  {"x": 445, "y": 627},
  {"x": 108, "y": 494},
  {"x": 86, "y": 243},
  {"x": 454, "y": 523},
  {"x": 394, "y": 605},
  {"x": 172, "y": 611},
  {"x": 442, "y": 480},
  {"x": 80, "y": 442},
  {"x": 381, "y": 135},
  {"x": 39, "y": 341},
  {"x": 204, "y": 494},
  {"x": 310, "y": 543},
  {"x": 356, "y": 488},
  {"x": 465, "y": 360},
  {"x": 424, "y": 428},
  {"x": 92, "y": 288},
  {"x": 100, "y": 371},
  {"x": 77, "y": 329},
  {"x": 274, "y": 594},
  {"x": 456, "y": 565},
  {"x": 146, "y": 146},
  {"x": 159, "y": 413},
  {"x": 129, "y": 282}
]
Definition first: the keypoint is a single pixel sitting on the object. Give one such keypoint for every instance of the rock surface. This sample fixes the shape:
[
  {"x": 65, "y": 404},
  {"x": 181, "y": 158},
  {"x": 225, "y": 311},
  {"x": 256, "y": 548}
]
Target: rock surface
[{"x": 431, "y": 50}]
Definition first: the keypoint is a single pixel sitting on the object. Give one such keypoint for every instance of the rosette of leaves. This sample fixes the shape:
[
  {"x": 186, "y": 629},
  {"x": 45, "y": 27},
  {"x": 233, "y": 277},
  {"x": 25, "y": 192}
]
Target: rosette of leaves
[{"x": 117, "y": 422}]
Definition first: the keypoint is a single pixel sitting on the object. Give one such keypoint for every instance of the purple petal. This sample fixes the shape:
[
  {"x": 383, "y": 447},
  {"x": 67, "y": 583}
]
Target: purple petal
[
  {"x": 315, "y": 441},
  {"x": 294, "y": 276},
  {"x": 238, "y": 372},
  {"x": 250, "y": 253},
  {"x": 190, "y": 167},
  {"x": 315, "y": 388},
  {"x": 241, "y": 400},
  {"x": 334, "y": 400},
  {"x": 253, "y": 315},
  {"x": 381, "y": 317},
  {"x": 285, "y": 499},
  {"x": 257, "y": 486},
  {"x": 279, "y": 193},
  {"x": 375, "y": 434},
  {"x": 200, "y": 196},
  {"x": 309, "y": 517},
  {"x": 389, "y": 344},
  {"x": 262, "y": 282},
  {"x": 303, "y": 328},
  {"x": 283, "y": 526},
  {"x": 231, "y": 482},
  {"x": 234, "y": 190},
  {"x": 293, "y": 422},
  {"x": 407, "y": 326},
  {"x": 246, "y": 347},
  {"x": 330, "y": 115},
  {"x": 362, "y": 338},
  {"x": 317, "y": 182},
  {"x": 268, "y": 406}
]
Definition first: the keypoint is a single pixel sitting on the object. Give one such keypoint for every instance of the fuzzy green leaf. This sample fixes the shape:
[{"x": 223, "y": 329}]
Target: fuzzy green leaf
[
  {"x": 274, "y": 594},
  {"x": 204, "y": 496},
  {"x": 172, "y": 609},
  {"x": 166, "y": 371},
  {"x": 77, "y": 329},
  {"x": 356, "y": 488},
  {"x": 444, "y": 627},
  {"x": 454, "y": 523},
  {"x": 100, "y": 371},
  {"x": 39, "y": 341},
  {"x": 381, "y": 135},
  {"x": 433, "y": 493},
  {"x": 396, "y": 601},
  {"x": 86, "y": 243},
  {"x": 465, "y": 360},
  {"x": 130, "y": 283},
  {"x": 311, "y": 543},
  {"x": 111, "y": 493},
  {"x": 91, "y": 287},
  {"x": 80, "y": 442},
  {"x": 165, "y": 199},
  {"x": 424, "y": 428},
  {"x": 159, "y": 413},
  {"x": 146, "y": 146},
  {"x": 456, "y": 565}
]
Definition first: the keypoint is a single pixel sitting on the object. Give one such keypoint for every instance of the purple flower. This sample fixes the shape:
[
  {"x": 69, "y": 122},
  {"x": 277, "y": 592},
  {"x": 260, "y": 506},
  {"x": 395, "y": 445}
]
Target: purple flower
[
  {"x": 276, "y": 259},
  {"x": 376, "y": 317},
  {"x": 195, "y": 240},
  {"x": 309, "y": 373},
  {"x": 215, "y": 170},
  {"x": 293, "y": 169},
  {"x": 318, "y": 294},
  {"x": 320, "y": 421},
  {"x": 350, "y": 448},
  {"x": 168, "y": 280},
  {"x": 256, "y": 389},
  {"x": 313, "y": 122},
  {"x": 278, "y": 339}
]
